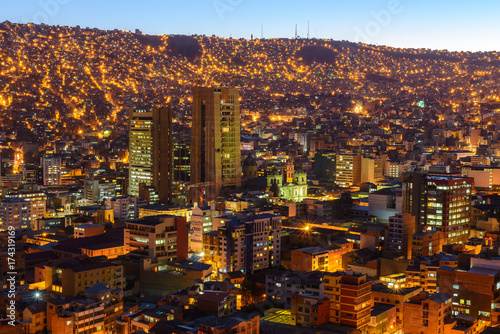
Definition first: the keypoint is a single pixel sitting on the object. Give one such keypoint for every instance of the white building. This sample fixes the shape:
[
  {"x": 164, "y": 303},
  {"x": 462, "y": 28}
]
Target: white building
[
  {"x": 38, "y": 203},
  {"x": 385, "y": 203},
  {"x": 96, "y": 191},
  {"x": 51, "y": 165},
  {"x": 200, "y": 223},
  {"x": 126, "y": 207},
  {"x": 15, "y": 212}
]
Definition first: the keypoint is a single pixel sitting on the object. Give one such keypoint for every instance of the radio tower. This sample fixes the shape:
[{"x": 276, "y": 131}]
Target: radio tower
[
  {"x": 262, "y": 30},
  {"x": 307, "y": 29},
  {"x": 296, "y": 36}
]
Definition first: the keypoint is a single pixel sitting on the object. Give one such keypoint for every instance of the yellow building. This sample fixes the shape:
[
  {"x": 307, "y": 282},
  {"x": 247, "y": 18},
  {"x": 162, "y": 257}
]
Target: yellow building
[
  {"x": 35, "y": 314},
  {"x": 111, "y": 251},
  {"x": 150, "y": 151},
  {"x": 348, "y": 170},
  {"x": 71, "y": 277}
]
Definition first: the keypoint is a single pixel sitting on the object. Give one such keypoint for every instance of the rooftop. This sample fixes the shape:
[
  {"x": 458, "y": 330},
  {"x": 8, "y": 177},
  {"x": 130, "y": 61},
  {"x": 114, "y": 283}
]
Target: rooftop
[
  {"x": 484, "y": 271},
  {"x": 213, "y": 296}
]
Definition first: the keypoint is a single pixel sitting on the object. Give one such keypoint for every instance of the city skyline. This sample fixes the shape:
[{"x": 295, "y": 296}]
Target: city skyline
[
  {"x": 204, "y": 184},
  {"x": 456, "y": 26}
]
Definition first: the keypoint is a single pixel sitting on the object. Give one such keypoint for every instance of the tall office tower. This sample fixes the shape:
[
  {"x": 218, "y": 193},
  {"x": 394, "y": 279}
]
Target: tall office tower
[
  {"x": 324, "y": 165},
  {"x": 182, "y": 166},
  {"x": 150, "y": 151},
  {"x": 51, "y": 165},
  {"x": 215, "y": 143},
  {"x": 348, "y": 167},
  {"x": 439, "y": 203}
]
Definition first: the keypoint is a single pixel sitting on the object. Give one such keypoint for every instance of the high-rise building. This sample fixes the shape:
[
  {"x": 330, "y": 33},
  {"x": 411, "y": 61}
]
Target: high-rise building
[
  {"x": 401, "y": 228},
  {"x": 324, "y": 165},
  {"x": 246, "y": 244},
  {"x": 15, "y": 212},
  {"x": 385, "y": 203},
  {"x": 182, "y": 167},
  {"x": 150, "y": 151},
  {"x": 51, "y": 165},
  {"x": 37, "y": 201},
  {"x": 440, "y": 203},
  {"x": 215, "y": 143},
  {"x": 182, "y": 171},
  {"x": 348, "y": 170}
]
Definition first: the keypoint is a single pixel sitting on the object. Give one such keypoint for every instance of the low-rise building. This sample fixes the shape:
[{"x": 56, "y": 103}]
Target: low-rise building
[
  {"x": 426, "y": 313},
  {"x": 160, "y": 239},
  {"x": 475, "y": 292},
  {"x": 87, "y": 230},
  {"x": 309, "y": 310},
  {"x": 217, "y": 303},
  {"x": 383, "y": 319},
  {"x": 69, "y": 278},
  {"x": 423, "y": 275},
  {"x": 427, "y": 243},
  {"x": 319, "y": 258},
  {"x": 92, "y": 311},
  {"x": 281, "y": 285},
  {"x": 382, "y": 294}
]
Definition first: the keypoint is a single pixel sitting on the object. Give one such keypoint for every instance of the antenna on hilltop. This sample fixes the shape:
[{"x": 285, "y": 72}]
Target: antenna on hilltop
[
  {"x": 307, "y": 29},
  {"x": 262, "y": 30},
  {"x": 296, "y": 36}
]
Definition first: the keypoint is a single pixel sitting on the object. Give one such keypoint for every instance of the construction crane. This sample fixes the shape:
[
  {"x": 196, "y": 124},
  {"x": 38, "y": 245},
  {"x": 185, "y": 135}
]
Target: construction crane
[{"x": 202, "y": 185}]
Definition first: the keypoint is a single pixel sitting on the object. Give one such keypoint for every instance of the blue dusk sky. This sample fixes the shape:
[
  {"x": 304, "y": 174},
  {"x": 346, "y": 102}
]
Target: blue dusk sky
[{"x": 456, "y": 25}]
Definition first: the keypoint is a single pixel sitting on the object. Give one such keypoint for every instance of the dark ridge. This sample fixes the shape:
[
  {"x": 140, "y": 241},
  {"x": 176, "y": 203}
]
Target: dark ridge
[
  {"x": 378, "y": 78},
  {"x": 316, "y": 54},
  {"x": 411, "y": 56},
  {"x": 153, "y": 41},
  {"x": 237, "y": 60},
  {"x": 484, "y": 62},
  {"x": 184, "y": 46}
]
